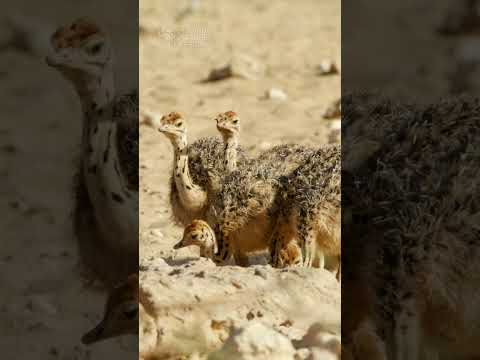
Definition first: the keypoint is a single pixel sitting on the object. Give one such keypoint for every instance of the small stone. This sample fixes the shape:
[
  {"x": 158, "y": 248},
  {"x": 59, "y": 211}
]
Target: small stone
[
  {"x": 157, "y": 233},
  {"x": 261, "y": 272},
  {"x": 200, "y": 274},
  {"x": 327, "y": 67},
  {"x": 335, "y": 125},
  {"x": 333, "y": 110},
  {"x": 250, "y": 316},
  {"x": 236, "y": 284},
  {"x": 143, "y": 267},
  {"x": 276, "y": 94},
  {"x": 242, "y": 66},
  {"x": 175, "y": 272},
  {"x": 220, "y": 73},
  {"x": 287, "y": 323}
]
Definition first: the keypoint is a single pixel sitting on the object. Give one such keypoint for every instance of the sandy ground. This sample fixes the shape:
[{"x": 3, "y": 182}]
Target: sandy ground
[
  {"x": 45, "y": 305},
  {"x": 286, "y": 43}
]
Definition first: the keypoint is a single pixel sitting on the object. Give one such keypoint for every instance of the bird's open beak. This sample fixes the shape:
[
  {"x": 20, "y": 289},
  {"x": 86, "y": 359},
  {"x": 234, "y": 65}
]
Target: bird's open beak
[
  {"x": 179, "y": 245},
  {"x": 55, "y": 59}
]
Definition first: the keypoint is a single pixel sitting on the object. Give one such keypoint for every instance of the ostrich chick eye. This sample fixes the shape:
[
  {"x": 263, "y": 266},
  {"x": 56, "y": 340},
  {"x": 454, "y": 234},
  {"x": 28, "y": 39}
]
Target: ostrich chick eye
[
  {"x": 235, "y": 121},
  {"x": 179, "y": 124},
  {"x": 95, "y": 49}
]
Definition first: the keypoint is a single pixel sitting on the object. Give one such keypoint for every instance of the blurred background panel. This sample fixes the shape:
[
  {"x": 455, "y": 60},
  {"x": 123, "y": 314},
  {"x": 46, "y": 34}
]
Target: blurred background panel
[
  {"x": 47, "y": 305},
  {"x": 413, "y": 127},
  {"x": 415, "y": 49}
]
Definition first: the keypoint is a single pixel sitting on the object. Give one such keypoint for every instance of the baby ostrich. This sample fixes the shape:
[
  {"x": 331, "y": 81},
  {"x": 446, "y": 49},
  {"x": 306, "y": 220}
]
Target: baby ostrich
[
  {"x": 120, "y": 315},
  {"x": 228, "y": 124},
  {"x": 245, "y": 208},
  {"x": 270, "y": 164},
  {"x": 200, "y": 234},
  {"x": 197, "y": 169},
  {"x": 106, "y": 211},
  {"x": 310, "y": 210}
]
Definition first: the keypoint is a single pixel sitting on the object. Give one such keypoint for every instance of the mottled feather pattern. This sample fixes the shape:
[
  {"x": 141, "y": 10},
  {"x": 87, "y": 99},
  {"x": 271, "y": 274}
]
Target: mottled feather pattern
[
  {"x": 125, "y": 114},
  {"x": 415, "y": 199},
  {"x": 205, "y": 161}
]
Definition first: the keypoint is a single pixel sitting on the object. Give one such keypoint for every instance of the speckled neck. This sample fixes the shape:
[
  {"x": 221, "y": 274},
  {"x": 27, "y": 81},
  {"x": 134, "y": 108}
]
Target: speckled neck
[
  {"x": 192, "y": 196},
  {"x": 230, "y": 153}
]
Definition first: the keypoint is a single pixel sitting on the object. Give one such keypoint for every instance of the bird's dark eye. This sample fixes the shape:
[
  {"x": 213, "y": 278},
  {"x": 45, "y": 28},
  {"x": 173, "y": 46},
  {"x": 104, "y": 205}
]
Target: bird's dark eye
[
  {"x": 131, "y": 311},
  {"x": 95, "y": 49},
  {"x": 194, "y": 236},
  {"x": 179, "y": 124},
  {"x": 235, "y": 121}
]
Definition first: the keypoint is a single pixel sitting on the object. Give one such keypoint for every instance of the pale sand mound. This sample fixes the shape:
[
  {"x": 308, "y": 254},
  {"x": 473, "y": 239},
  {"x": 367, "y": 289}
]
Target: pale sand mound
[{"x": 195, "y": 304}]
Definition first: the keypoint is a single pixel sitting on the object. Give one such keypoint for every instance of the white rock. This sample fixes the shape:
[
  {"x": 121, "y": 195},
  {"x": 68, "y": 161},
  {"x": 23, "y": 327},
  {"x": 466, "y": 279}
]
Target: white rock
[
  {"x": 246, "y": 67},
  {"x": 255, "y": 342},
  {"x": 327, "y": 67},
  {"x": 335, "y": 125},
  {"x": 242, "y": 66},
  {"x": 334, "y": 110},
  {"x": 276, "y": 94},
  {"x": 157, "y": 233}
]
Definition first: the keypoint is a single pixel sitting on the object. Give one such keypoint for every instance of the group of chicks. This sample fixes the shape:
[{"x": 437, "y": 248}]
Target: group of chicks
[{"x": 286, "y": 200}]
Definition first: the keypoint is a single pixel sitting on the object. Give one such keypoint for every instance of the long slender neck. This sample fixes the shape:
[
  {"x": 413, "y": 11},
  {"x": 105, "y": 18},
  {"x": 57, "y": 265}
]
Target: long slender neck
[
  {"x": 191, "y": 196},
  {"x": 230, "y": 152},
  {"x": 101, "y": 163},
  {"x": 96, "y": 93}
]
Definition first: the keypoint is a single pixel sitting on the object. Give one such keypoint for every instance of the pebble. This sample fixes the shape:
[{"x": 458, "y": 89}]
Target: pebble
[
  {"x": 276, "y": 94},
  {"x": 333, "y": 110},
  {"x": 327, "y": 67},
  {"x": 242, "y": 66},
  {"x": 335, "y": 125},
  {"x": 157, "y": 233},
  {"x": 261, "y": 272}
]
